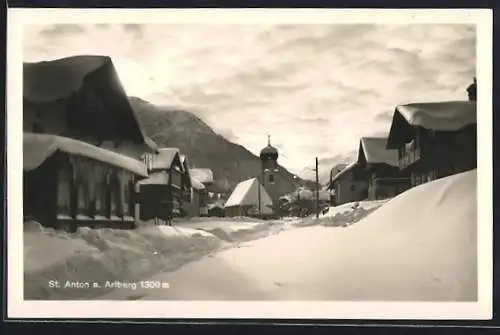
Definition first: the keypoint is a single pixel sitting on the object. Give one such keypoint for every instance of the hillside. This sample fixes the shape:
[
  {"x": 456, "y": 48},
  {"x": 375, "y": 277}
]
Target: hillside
[{"x": 230, "y": 162}]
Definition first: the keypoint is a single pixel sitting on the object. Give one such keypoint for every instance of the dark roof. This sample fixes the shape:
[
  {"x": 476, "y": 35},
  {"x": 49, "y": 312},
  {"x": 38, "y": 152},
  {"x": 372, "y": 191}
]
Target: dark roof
[
  {"x": 37, "y": 148},
  {"x": 440, "y": 116},
  {"x": 373, "y": 150},
  {"x": 58, "y": 79}
]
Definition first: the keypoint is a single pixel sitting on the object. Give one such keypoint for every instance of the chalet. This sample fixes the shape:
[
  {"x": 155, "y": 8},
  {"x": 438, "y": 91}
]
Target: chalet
[
  {"x": 77, "y": 114},
  {"x": 193, "y": 191},
  {"x": 81, "y": 97},
  {"x": 70, "y": 183},
  {"x": 206, "y": 177},
  {"x": 349, "y": 184},
  {"x": 381, "y": 166},
  {"x": 244, "y": 200},
  {"x": 161, "y": 194},
  {"x": 434, "y": 140},
  {"x": 194, "y": 206}
]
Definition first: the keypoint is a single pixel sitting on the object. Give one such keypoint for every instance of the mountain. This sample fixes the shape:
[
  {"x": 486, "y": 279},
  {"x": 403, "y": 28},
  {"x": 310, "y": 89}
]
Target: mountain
[{"x": 230, "y": 162}]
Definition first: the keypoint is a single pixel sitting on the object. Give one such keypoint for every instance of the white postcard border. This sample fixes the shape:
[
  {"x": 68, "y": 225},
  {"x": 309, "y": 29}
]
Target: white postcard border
[{"x": 18, "y": 308}]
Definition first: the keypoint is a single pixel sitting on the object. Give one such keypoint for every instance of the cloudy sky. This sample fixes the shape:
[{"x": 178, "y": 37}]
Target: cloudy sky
[{"x": 315, "y": 88}]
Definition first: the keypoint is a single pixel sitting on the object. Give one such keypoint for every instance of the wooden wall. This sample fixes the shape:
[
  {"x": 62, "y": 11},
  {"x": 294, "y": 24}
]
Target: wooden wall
[{"x": 79, "y": 191}]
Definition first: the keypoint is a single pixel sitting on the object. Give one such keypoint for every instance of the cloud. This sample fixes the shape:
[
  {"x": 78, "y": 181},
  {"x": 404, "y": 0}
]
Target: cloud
[
  {"x": 315, "y": 88},
  {"x": 58, "y": 30},
  {"x": 134, "y": 29}
]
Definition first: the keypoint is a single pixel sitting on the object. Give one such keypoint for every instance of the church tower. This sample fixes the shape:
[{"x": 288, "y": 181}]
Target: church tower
[{"x": 269, "y": 170}]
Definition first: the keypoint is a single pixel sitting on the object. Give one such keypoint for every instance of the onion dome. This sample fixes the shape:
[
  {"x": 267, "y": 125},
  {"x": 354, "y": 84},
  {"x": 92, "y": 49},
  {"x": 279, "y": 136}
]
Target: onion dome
[{"x": 269, "y": 152}]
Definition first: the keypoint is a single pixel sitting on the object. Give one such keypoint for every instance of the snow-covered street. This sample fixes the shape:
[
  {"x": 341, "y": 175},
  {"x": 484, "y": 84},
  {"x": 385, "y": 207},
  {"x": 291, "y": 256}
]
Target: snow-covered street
[
  {"x": 398, "y": 253},
  {"x": 383, "y": 250}
]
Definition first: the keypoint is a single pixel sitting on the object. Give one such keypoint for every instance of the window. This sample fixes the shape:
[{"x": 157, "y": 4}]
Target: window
[
  {"x": 64, "y": 191},
  {"x": 83, "y": 197},
  {"x": 271, "y": 178}
]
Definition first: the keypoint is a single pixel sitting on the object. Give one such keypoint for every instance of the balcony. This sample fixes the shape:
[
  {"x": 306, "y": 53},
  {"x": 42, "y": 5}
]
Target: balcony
[{"x": 382, "y": 188}]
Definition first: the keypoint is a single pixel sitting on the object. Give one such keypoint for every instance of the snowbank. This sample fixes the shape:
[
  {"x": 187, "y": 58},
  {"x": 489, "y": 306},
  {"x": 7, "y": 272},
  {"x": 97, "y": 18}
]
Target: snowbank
[
  {"x": 104, "y": 254},
  {"x": 343, "y": 215},
  {"x": 98, "y": 255},
  {"x": 236, "y": 229}
]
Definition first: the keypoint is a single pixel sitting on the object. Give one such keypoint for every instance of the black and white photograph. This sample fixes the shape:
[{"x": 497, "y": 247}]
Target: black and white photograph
[{"x": 219, "y": 161}]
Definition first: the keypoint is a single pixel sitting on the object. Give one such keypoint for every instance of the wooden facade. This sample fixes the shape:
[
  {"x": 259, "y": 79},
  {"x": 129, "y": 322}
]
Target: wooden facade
[
  {"x": 68, "y": 190},
  {"x": 162, "y": 194},
  {"x": 430, "y": 152},
  {"x": 350, "y": 185},
  {"x": 206, "y": 178}
]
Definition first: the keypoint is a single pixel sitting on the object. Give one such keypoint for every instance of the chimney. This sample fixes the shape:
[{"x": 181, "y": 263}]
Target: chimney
[{"x": 472, "y": 90}]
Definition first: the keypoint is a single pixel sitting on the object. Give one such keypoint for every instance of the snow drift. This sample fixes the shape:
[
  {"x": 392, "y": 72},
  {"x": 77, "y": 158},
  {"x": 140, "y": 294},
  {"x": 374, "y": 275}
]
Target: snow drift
[
  {"x": 419, "y": 246},
  {"x": 99, "y": 255},
  {"x": 343, "y": 215},
  {"x": 105, "y": 254}
]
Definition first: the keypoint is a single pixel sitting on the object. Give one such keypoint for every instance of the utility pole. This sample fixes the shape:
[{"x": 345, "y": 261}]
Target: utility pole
[{"x": 317, "y": 189}]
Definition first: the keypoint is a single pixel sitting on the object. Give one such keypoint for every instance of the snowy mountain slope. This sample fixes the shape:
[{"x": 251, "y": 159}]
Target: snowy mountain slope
[{"x": 230, "y": 162}]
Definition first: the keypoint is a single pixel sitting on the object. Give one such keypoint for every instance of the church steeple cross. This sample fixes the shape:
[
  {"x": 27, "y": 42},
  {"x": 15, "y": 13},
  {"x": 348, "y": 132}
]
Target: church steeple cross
[{"x": 269, "y": 140}]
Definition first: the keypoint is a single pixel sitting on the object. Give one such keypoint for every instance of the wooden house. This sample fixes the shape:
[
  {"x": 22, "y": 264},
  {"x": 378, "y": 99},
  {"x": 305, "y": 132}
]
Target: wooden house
[
  {"x": 81, "y": 97},
  {"x": 382, "y": 168},
  {"x": 206, "y": 177},
  {"x": 434, "y": 140},
  {"x": 79, "y": 106},
  {"x": 350, "y": 184},
  {"x": 161, "y": 194},
  {"x": 69, "y": 183},
  {"x": 193, "y": 191}
]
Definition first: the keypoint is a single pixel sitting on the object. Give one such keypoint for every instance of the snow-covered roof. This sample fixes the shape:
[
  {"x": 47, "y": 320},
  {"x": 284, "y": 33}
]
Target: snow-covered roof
[
  {"x": 164, "y": 158},
  {"x": 196, "y": 184},
  {"x": 440, "y": 116},
  {"x": 287, "y": 197},
  {"x": 246, "y": 193},
  {"x": 344, "y": 171},
  {"x": 156, "y": 178},
  {"x": 205, "y": 176},
  {"x": 215, "y": 205},
  {"x": 309, "y": 194},
  {"x": 37, "y": 148},
  {"x": 54, "y": 80},
  {"x": 451, "y": 115},
  {"x": 374, "y": 151}
]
